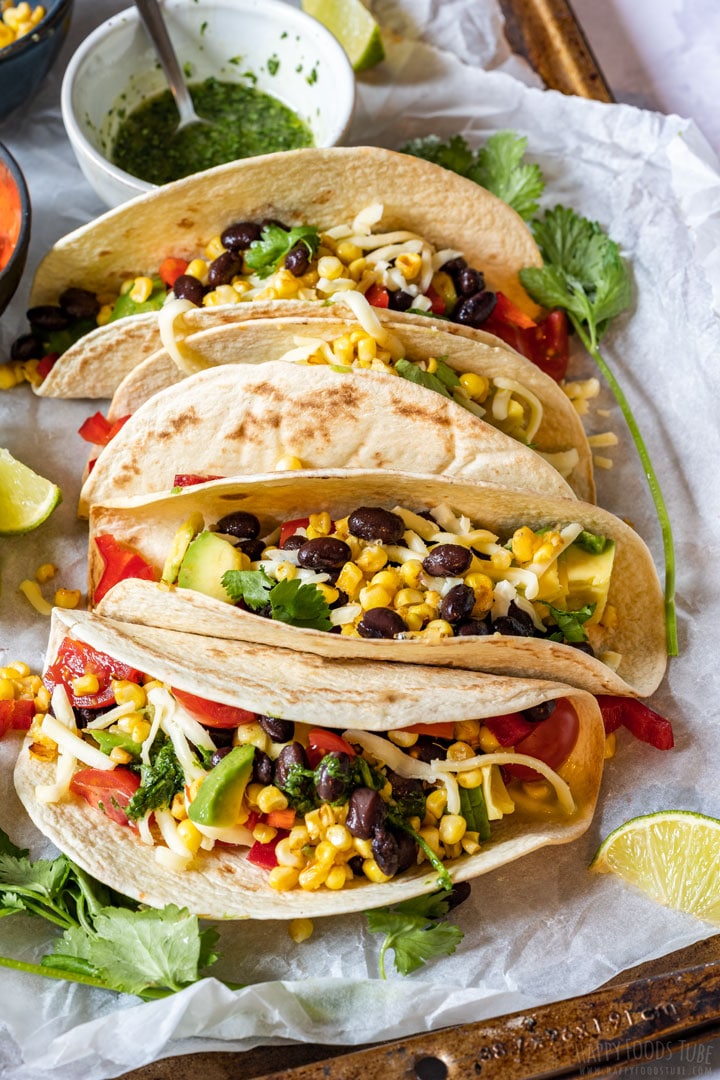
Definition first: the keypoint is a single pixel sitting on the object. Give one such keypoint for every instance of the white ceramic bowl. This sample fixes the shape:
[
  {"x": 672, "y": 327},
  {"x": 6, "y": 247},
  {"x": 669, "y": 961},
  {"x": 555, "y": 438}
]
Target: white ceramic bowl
[{"x": 115, "y": 68}]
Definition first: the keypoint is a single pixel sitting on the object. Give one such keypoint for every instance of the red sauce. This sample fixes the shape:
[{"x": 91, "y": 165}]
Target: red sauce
[{"x": 10, "y": 216}]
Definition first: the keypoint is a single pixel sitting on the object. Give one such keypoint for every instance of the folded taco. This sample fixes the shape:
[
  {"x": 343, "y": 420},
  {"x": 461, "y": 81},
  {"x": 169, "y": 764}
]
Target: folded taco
[
  {"x": 253, "y": 782},
  {"x": 386, "y": 566},
  {"x": 492, "y": 382},
  {"x": 263, "y": 233}
]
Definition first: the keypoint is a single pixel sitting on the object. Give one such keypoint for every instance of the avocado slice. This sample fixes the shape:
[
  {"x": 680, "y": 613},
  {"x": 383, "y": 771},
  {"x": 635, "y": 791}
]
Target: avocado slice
[
  {"x": 586, "y": 577},
  {"x": 220, "y": 796},
  {"x": 207, "y": 558},
  {"x": 181, "y": 542}
]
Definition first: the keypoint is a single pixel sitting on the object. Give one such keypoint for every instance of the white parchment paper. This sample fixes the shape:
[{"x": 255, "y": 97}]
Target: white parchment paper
[{"x": 542, "y": 929}]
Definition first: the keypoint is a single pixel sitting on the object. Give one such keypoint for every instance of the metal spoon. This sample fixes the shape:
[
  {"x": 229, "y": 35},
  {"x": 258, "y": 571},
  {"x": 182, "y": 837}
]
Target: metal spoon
[{"x": 154, "y": 22}]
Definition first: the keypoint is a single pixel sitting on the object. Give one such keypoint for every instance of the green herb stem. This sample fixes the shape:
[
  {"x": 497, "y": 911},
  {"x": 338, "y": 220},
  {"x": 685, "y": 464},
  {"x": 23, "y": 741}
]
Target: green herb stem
[
  {"x": 53, "y": 973},
  {"x": 653, "y": 484}
]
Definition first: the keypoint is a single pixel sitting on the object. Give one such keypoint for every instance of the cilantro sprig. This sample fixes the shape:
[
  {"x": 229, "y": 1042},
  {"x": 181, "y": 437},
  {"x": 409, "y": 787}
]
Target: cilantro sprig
[
  {"x": 441, "y": 381},
  {"x": 414, "y": 931},
  {"x": 265, "y": 255},
  {"x": 288, "y": 601}
]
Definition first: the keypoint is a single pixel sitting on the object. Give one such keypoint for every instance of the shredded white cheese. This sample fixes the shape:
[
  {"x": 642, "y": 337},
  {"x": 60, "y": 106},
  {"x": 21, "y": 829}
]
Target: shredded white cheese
[{"x": 173, "y": 333}]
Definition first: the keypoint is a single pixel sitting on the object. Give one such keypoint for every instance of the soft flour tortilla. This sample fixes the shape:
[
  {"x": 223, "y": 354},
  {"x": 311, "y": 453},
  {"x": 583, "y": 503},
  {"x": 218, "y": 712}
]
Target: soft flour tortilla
[
  {"x": 324, "y": 187},
  {"x": 260, "y": 340},
  {"x": 223, "y": 884},
  {"x": 239, "y": 420},
  {"x": 148, "y": 526}
]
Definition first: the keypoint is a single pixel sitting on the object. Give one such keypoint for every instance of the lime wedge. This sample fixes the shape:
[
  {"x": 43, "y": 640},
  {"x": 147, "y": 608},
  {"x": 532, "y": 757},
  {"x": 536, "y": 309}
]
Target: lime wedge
[
  {"x": 26, "y": 499},
  {"x": 353, "y": 26},
  {"x": 673, "y": 856}
]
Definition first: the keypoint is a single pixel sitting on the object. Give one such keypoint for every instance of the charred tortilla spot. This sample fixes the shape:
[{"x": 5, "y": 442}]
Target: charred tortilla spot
[{"x": 176, "y": 425}]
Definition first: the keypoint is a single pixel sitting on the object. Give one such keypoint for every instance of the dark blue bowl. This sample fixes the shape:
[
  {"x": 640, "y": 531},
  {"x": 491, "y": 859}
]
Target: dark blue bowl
[
  {"x": 26, "y": 62},
  {"x": 14, "y": 225}
]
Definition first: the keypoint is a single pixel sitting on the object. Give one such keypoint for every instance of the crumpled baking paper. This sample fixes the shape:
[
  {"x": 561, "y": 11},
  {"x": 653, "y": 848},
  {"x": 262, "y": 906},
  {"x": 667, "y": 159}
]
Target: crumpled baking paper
[{"x": 544, "y": 928}]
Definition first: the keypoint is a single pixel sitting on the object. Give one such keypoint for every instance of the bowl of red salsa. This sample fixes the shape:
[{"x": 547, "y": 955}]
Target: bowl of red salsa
[{"x": 14, "y": 225}]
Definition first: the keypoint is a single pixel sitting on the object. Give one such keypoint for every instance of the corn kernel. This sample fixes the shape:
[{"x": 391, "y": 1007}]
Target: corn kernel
[
  {"x": 471, "y": 778},
  {"x": 415, "y": 823},
  {"x": 283, "y": 878},
  {"x": 288, "y": 463},
  {"x": 501, "y": 558},
  {"x": 42, "y": 699},
  {"x": 264, "y": 833},
  {"x": 538, "y": 789},
  {"x": 222, "y": 294},
  {"x": 340, "y": 837},
  {"x": 467, "y": 731},
  {"x": 439, "y": 628},
  {"x": 326, "y": 816},
  {"x": 431, "y": 836},
  {"x": 67, "y": 598},
  {"x": 312, "y": 822},
  {"x": 336, "y": 878},
  {"x": 85, "y": 684},
  {"x": 252, "y": 734},
  {"x": 152, "y": 684},
  {"x": 286, "y": 285},
  {"x": 313, "y": 876},
  {"x": 524, "y": 543},
  {"x": 350, "y": 579},
  {"x": 45, "y": 572},
  {"x": 31, "y": 591},
  {"x": 178, "y": 808},
  {"x": 286, "y": 856},
  {"x": 488, "y": 743},
  {"x": 470, "y": 843},
  {"x": 141, "y": 289},
  {"x": 322, "y": 523},
  {"x": 121, "y": 756},
  {"x": 475, "y": 386},
  {"x": 403, "y": 738},
  {"x": 372, "y": 872},
  {"x": 140, "y": 731},
  {"x": 436, "y": 802},
  {"x": 329, "y": 593},
  {"x": 409, "y": 264},
  {"x": 348, "y": 630},
  {"x": 127, "y": 723},
  {"x": 412, "y": 620},
  {"x": 251, "y": 793},
  {"x": 371, "y": 559},
  {"x": 432, "y": 365},
  {"x": 198, "y": 268},
  {"x": 298, "y": 837},
  {"x": 214, "y": 248},
  {"x": 189, "y": 835},
  {"x": 452, "y": 828},
  {"x": 300, "y": 930},
  {"x": 330, "y": 267},
  {"x": 7, "y": 690},
  {"x": 271, "y": 798},
  {"x": 357, "y": 268},
  {"x": 610, "y": 746},
  {"x": 240, "y": 286},
  {"x": 425, "y": 611},
  {"x": 367, "y": 350},
  {"x": 374, "y": 596},
  {"x": 348, "y": 252},
  {"x": 8, "y": 378},
  {"x": 363, "y": 847},
  {"x": 104, "y": 315},
  {"x": 286, "y": 571},
  {"x": 126, "y": 691}
]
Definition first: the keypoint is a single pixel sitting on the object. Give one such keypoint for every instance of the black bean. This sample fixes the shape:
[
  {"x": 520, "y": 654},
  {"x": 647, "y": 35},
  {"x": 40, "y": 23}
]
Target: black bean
[
  {"x": 407, "y": 851},
  {"x": 332, "y": 776},
  {"x": 240, "y": 235},
  {"x": 263, "y": 768},
  {"x": 240, "y": 524},
  {"x": 190, "y": 288},
  {"x": 292, "y": 754},
  {"x": 341, "y": 600},
  {"x": 404, "y": 786},
  {"x": 297, "y": 259},
  {"x": 447, "y": 560},
  {"x": 428, "y": 749},
  {"x": 474, "y": 310},
  {"x": 252, "y": 548},
  {"x": 512, "y": 627},
  {"x": 458, "y": 894},
  {"x": 48, "y": 317},
  {"x": 356, "y": 865},
  {"x": 469, "y": 281},
  {"x": 374, "y": 523},
  {"x": 385, "y": 851},
  {"x": 324, "y": 553},
  {"x": 454, "y": 266},
  {"x": 27, "y": 347},
  {"x": 473, "y": 628},
  {"x": 279, "y": 730},
  {"x": 219, "y": 754},
  {"x": 83, "y": 716},
  {"x": 583, "y": 646},
  {"x": 457, "y": 603},
  {"x": 399, "y": 300},
  {"x": 221, "y": 736},
  {"x": 381, "y": 622},
  {"x": 366, "y": 812},
  {"x": 222, "y": 270},
  {"x": 79, "y": 303},
  {"x": 294, "y": 542},
  {"x": 539, "y": 712}
]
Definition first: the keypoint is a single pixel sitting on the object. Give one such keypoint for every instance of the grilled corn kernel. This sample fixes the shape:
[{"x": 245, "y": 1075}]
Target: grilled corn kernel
[
  {"x": 363, "y": 847},
  {"x": 85, "y": 684},
  {"x": 470, "y": 843},
  {"x": 286, "y": 856},
  {"x": 371, "y": 559},
  {"x": 403, "y": 738},
  {"x": 104, "y": 315},
  {"x": 128, "y": 722},
  {"x": 45, "y": 572},
  {"x": 322, "y": 523},
  {"x": 313, "y": 824},
  {"x": 126, "y": 691},
  {"x": 178, "y": 808},
  {"x": 329, "y": 593},
  {"x": 452, "y": 828},
  {"x": 223, "y": 294},
  {"x": 7, "y": 690},
  {"x": 406, "y": 597},
  {"x": 313, "y": 876},
  {"x": 350, "y": 579},
  {"x": 348, "y": 630},
  {"x": 214, "y": 248},
  {"x": 140, "y": 731},
  {"x": 300, "y": 930},
  {"x": 42, "y": 699},
  {"x": 326, "y": 816},
  {"x": 411, "y": 573},
  {"x": 286, "y": 571},
  {"x": 298, "y": 837},
  {"x": 610, "y": 746},
  {"x": 288, "y": 463},
  {"x": 29, "y": 684},
  {"x": 198, "y": 268},
  {"x": 409, "y": 264},
  {"x": 339, "y": 837},
  {"x": 121, "y": 756},
  {"x": 67, "y": 598},
  {"x": 524, "y": 543},
  {"x": 460, "y": 751},
  {"x": 348, "y": 251},
  {"x": 8, "y": 378},
  {"x": 372, "y": 872},
  {"x": 264, "y": 833},
  {"x": 367, "y": 350},
  {"x": 488, "y": 743},
  {"x": 481, "y": 585},
  {"x": 470, "y": 779},
  {"x": 251, "y": 793},
  {"x": 271, "y": 798},
  {"x": 252, "y": 734},
  {"x": 141, "y": 289},
  {"x": 357, "y": 268},
  {"x": 190, "y": 836},
  {"x": 286, "y": 285},
  {"x": 467, "y": 731},
  {"x": 475, "y": 386},
  {"x": 336, "y": 878},
  {"x": 439, "y": 628},
  {"x": 431, "y": 836},
  {"x": 412, "y": 620},
  {"x": 425, "y": 611},
  {"x": 240, "y": 286},
  {"x": 374, "y": 596},
  {"x": 283, "y": 878},
  {"x": 436, "y": 802},
  {"x": 330, "y": 267},
  {"x": 152, "y": 684},
  {"x": 325, "y": 853}
]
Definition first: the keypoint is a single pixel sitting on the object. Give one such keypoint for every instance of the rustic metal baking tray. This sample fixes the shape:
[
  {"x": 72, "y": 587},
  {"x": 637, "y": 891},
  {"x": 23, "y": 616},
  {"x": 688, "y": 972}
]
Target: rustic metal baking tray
[{"x": 672, "y": 1001}]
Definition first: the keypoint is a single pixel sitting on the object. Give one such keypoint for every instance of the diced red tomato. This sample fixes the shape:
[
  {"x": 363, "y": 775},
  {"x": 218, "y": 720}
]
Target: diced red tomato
[
  {"x": 378, "y": 296},
  {"x": 545, "y": 343},
  {"x": 441, "y": 730},
  {"x": 120, "y": 563},
  {"x": 17, "y": 714},
  {"x": 75, "y": 658},
  {"x": 328, "y": 742},
  {"x": 550, "y": 741},
  {"x": 47, "y": 363},
  {"x": 289, "y": 528},
  {"x": 643, "y": 722},
  {"x": 190, "y": 479},
  {"x": 508, "y": 728},
  {"x": 437, "y": 303},
  {"x": 99, "y": 430},
  {"x": 263, "y": 855},
  {"x": 109, "y": 792},
  {"x": 510, "y": 313},
  {"x": 171, "y": 269},
  {"x": 214, "y": 713}
]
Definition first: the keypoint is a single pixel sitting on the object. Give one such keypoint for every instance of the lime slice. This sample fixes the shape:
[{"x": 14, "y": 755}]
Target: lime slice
[
  {"x": 353, "y": 26},
  {"x": 26, "y": 499},
  {"x": 673, "y": 856}
]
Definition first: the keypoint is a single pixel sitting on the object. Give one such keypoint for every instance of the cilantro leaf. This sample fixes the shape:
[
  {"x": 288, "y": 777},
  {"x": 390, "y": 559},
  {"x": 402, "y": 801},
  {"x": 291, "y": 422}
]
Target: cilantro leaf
[
  {"x": 454, "y": 155},
  {"x": 570, "y": 623},
  {"x": 265, "y": 255},
  {"x": 8, "y": 848},
  {"x": 414, "y": 373},
  {"x": 159, "y": 781},
  {"x": 413, "y": 931},
  {"x": 591, "y": 542},
  {"x": 290, "y": 601},
  {"x": 474, "y": 809},
  {"x": 251, "y": 586}
]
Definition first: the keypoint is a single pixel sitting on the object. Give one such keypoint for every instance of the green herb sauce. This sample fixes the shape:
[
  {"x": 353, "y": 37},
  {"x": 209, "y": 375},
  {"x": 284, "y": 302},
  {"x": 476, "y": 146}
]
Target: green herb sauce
[{"x": 245, "y": 122}]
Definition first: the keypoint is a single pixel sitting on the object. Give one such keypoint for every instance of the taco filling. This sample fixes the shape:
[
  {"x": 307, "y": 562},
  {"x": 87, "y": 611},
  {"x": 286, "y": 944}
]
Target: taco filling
[{"x": 314, "y": 807}]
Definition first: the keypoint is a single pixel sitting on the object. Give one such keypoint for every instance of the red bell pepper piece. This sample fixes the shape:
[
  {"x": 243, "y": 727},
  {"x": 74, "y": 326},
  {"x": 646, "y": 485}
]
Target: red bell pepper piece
[
  {"x": 171, "y": 269},
  {"x": 190, "y": 479},
  {"x": 263, "y": 855},
  {"x": 98, "y": 430},
  {"x": 640, "y": 720},
  {"x": 47, "y": 363},
  {"x": 378, "y": 296},
  {"x": 545, "y": 343},
  {"x": 16, "y": 714},
  {"x": 508, "y": 728},
  {"x": 510, "y": 313},
  {"x": 120, "y": 563},
  {"x": 437, "y": 304}
]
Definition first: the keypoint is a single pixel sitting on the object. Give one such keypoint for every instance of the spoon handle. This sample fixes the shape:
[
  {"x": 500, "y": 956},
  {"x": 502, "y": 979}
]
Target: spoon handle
[{"x": 154, "y": 23}]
